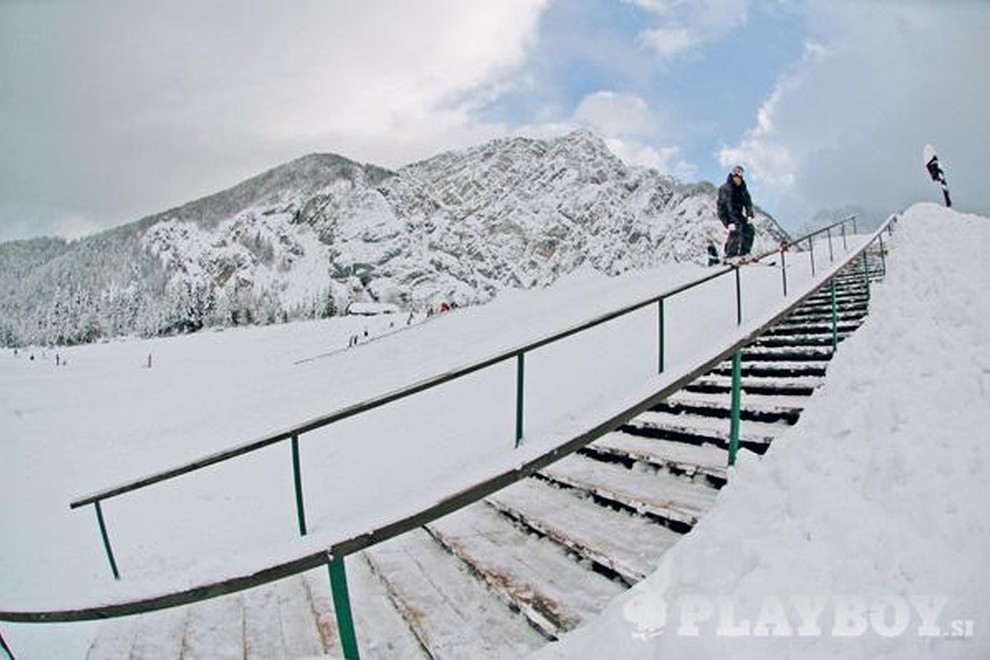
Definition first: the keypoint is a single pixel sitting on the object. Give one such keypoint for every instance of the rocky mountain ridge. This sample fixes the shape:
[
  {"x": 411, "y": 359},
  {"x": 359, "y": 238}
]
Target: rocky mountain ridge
[{"x": 309, "y": 237}]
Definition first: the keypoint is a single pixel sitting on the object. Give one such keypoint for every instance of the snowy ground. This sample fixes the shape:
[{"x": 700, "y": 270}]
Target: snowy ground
[{"x": 837, "y": 509}]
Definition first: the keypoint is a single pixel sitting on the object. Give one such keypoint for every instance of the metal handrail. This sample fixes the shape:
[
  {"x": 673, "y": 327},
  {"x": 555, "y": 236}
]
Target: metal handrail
[{"x": 333, "y": 557}]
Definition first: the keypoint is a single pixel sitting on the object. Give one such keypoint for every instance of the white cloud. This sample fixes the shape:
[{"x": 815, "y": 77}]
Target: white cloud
[
  {"x": 846, "y": 126},
  {"x": 627, "y": 125},
  {"x": 177, "y": 100},
  {"x": 766, "y": 158},
  {"x": 370, "y": 69},
  {"x": 669, "y": 41},
  {"x": 615, "y": 114},
  {"x": 684, "y": 26},
  {"x": 666, "y": 160}
]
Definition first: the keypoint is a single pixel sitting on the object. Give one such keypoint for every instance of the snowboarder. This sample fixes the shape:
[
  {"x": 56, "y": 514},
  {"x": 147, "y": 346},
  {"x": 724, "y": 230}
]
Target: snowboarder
[
  {"x": 735, "y": 209},
  {"x": 936, "y": 173}
]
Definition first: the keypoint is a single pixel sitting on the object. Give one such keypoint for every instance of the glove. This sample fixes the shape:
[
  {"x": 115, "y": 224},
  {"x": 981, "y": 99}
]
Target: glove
[{"x": 732, "y": 226}]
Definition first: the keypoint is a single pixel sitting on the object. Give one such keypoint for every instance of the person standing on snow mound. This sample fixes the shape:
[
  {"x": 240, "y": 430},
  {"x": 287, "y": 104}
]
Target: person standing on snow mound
[{"x": 735, "y": 208}]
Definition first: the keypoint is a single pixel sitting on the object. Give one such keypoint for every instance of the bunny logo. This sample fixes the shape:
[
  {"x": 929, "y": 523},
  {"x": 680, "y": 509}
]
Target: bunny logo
[{"x": 647, "y": 610}]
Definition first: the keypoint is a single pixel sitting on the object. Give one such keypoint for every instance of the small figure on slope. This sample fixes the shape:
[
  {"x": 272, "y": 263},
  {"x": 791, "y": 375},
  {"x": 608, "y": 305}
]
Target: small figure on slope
[{"x": 713, "y": 256}]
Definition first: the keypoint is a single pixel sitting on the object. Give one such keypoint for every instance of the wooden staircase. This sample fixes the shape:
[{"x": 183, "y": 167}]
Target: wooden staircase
[{"x": 501, "y": 577}]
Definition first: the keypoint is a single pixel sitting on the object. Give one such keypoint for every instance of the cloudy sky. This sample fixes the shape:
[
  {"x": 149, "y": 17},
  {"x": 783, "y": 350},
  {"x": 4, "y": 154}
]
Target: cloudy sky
[{"x": 111, "y": 110}]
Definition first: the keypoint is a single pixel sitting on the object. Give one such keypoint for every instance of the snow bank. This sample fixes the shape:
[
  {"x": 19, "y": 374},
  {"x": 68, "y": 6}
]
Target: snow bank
[{"x": 863, "y": 532}]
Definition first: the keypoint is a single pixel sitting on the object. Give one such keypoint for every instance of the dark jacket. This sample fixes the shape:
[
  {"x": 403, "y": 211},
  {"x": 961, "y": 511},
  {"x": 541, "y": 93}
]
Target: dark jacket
[{"x": 734, "y": 205}]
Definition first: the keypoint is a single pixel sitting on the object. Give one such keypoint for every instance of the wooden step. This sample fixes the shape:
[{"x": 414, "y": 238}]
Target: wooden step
[
  {"x": 787, "y": 353},
  {"x": 379, "y": 627},
  {"x": 796, "y": 340},
  {"x": 698, "y": 430},
  {"x": 843, "y": 291},
  {"x": 774, "y": 369},
  {"x": 676, "y": 499},
  {"x": 753, "y": 407},
  {"x": 679, "y": 457},
  {"x": 450, "y": 611},
  {"x": 262, "y": 624},
  {"x": 215, "y": 629},
  {"x": 297, "y": 620},
  {"x": 815, "y": 326},
  {"x": 790, "y": 386},
  {"x": 153, "y": 635},
  {"x": 626, "y": 544},
  {"x": 535, "y": 575},
  {"x": 823, "y": 316},
  {"x": 114, "y": 639}
]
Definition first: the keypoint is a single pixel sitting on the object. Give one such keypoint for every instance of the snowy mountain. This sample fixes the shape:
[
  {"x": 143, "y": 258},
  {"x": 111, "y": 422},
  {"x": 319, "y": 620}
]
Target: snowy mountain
[{"x": 307, "y": 238}]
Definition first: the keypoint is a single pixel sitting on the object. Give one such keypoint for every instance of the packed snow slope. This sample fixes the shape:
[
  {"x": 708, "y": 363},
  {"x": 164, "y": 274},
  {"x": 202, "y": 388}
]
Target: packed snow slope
[{"x": 864, "y": 531}]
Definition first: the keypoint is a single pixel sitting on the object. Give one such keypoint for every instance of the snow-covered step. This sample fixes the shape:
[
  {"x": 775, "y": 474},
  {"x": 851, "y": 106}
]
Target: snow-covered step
[
  {"x": 848, "y": 320},
  {"x": 821, "y": 305},
  {"x": 769, "y": 385},
  {"x": 215, "y": 629},
  {"x": 153, "y": 635},
  {"x": 298, "y": 622},
  {"x": 774, "y": 369},
  {"x": 787, "y": 353},
  {"x": 625, "y": 543},
  {"x": 672, "y": 498},
  {"x": 114, "y": 639},
  {"x": 696, "y": 429},
  {"x": 849, "y": 323},
  {"x": 799, "y": 340},
  {"x": 553, "y": 591},
  {"x": 846, "y": 291},
  {"x": 451, "y": 612},
  {"x": 680, "y": 457},
  {"x": 753, "y": 407},
  {"x": 379, "y": 627},
  {"x": 291, "y": 618},
  {"x": 822, "y": 311},
  {"x": 262, "y": 624}
]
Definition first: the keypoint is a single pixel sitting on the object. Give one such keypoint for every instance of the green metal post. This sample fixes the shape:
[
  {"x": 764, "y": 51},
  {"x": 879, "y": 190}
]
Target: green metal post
[
  {"x": 520, "y": 378},
  {"x": 835, "y": 320},
  {"x": 6, "y": 649},
  {"x": 106, "y": 539},
  {"x": 736, "y": 405},
  {"x": 811, "y": 247},
  {"x": 342, "y": 607},
  {"x": 297, "y": 478},
  {"x": 736, "y": 382},
  {"x": 739, "y": 314},
  {"x": 661, "y": 331},
  {"x": 831, "y": 252}
]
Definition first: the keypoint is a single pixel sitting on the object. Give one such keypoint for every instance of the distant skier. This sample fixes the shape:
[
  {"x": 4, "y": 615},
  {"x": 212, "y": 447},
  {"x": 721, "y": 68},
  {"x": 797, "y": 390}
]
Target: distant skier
[
  {"x": 735, "y": 208},
  {"x": 936, "y": 173},
  {"x": 713, "y": 258}
]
